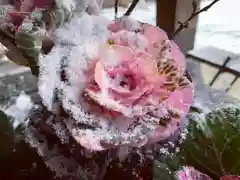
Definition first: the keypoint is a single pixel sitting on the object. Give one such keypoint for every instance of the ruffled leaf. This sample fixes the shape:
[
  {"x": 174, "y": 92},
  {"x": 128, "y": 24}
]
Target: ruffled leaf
[
  {"x": 166, "y": 168},
  {"x": 212, "y": 145},
  {"x": 15, "y": 56},
  {"x": 162, "y": 171},
  {"x": 28, "y": 44},
  {"x": 13, "y": 53}
]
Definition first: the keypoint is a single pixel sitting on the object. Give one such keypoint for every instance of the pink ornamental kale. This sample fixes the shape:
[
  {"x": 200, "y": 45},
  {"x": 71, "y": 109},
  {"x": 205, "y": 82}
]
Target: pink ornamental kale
[
  {"x": 138, "y": 77},
  {"x": 189, "y": 173}
]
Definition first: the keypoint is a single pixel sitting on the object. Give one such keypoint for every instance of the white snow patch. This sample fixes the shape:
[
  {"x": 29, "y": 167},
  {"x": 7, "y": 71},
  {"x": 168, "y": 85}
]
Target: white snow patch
[
  {"x": 130, "y": 24},
  {"x": 20, "y": 110}
]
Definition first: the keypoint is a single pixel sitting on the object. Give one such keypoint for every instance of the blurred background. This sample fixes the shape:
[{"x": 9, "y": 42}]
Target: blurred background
[{"x": 217, "y": 36}]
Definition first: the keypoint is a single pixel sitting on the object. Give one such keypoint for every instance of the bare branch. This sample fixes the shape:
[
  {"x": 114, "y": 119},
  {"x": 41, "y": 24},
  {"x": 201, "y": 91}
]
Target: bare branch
[
  {"x": 194, "y": 5},
  {"x": 183, "y": 25},
  {"x": 131, "y": 8}
]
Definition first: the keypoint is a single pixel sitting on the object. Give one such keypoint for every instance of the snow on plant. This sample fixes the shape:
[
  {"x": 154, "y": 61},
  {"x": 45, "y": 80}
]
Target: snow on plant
[
  {"x": 20, "y": 110},
  {"x": 125, "y": 82}
]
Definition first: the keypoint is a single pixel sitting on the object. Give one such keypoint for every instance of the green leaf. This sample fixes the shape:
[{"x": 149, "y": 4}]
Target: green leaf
[
  {"x": 16, "y": 56},
  {"x": 6, "y": 136},
  {"x": 162, "y": 171},
  {"x": 212, "y": 144},
  {"x": 13, "y": 53},
  {"x": 166, "y": 167}
]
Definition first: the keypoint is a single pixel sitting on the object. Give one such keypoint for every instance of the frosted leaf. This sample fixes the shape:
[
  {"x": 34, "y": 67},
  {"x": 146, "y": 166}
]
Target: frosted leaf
[
  {"x": 20, "y": 110},
  {"x": 94, "y": 6},
  {"x": 76, "y": 110},
  {"x": 27, "y": 25},
  {"x": 141, "y": 42},
  {"x": 82, "y": 39},
  {"x": 4, "y": 9},
  {"x": 130, "y": 24},
  {"x": 107, "y": 55},
  {"x": 69, "y": 5},
  {"x": 122, "y": 153},
  {"x": 58, "y": 164},
  {"x": 31, "y": 139},
  {"x": 61, "y": 132},
  {"x": 49, "y": 67},
  {"x": 72, "y": 5},
  {"x": 2, "y": 50},
  {"x": 95, "y": 27},
  {"x": 54, "y": 160}
]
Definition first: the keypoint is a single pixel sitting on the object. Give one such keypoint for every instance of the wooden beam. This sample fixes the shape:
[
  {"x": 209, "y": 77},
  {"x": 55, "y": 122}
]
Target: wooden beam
[
  {"x": 166, "y": 10},
  {"x": 169, "y": 13}
]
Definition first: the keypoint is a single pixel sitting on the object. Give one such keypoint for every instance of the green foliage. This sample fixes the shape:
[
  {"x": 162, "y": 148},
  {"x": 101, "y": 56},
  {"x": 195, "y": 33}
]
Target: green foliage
[
  {"x": 162, "y": 171},
  {"x": 16, "y": 56},
  {"x": 166, "y": 168},
  {"x": 54, "y": 18},
  {"x": 28, "y": 44},
  {"x": 6, "y": 136},
  {"x": 23, "y": 49},
  {"x": 17, "y": 160},
  {"x": 212, "y": 144}
]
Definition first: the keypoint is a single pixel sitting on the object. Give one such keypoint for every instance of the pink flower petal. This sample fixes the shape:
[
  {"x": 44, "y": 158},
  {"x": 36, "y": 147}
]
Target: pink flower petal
[
  {"x": 124, "y": 53},
  {"x": 128, "y": 97},
  {"x": 147, "y": 66},
  {"x": 181, "y": 100},
  {"x": 89, "y": 142},
  {"x": 157, "y": 35},
  {"x": 162, "y": 133},
  {"x": 154, "y": 34},
  {"x": 113, "y": 55},
  {"x": 115, "y": 26},
  {"x": 189, "y": 173},
  {"x": 100, "y": 75}
]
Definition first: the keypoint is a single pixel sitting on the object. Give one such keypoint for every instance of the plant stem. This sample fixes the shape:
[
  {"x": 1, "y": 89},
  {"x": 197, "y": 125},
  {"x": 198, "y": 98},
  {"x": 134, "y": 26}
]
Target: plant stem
[
  {"x": 195, "y": 13},
  {"x": 131, "y": 8}
]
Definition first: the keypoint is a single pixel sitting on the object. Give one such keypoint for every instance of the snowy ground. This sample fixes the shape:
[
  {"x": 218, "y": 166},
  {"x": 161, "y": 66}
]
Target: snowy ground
[{"x": 219, "y": 26}]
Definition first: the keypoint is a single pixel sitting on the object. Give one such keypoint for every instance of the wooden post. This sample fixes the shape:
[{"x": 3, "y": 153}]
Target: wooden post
[{"x": 169, "y": 13}]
